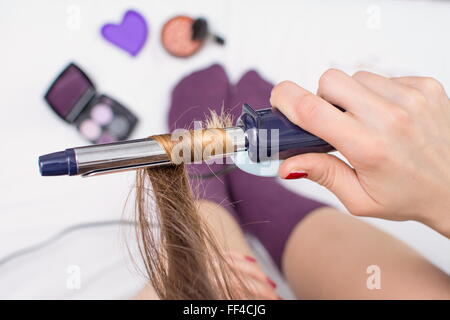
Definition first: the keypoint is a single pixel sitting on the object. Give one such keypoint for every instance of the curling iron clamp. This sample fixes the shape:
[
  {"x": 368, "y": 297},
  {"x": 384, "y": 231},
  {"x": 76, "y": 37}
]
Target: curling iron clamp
[{"x": 252, "y": 136}]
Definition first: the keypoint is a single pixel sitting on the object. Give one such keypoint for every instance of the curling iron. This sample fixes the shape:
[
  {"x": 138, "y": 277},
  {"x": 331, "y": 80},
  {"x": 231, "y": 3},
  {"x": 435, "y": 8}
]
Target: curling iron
[{"x": 259, "y": 136}]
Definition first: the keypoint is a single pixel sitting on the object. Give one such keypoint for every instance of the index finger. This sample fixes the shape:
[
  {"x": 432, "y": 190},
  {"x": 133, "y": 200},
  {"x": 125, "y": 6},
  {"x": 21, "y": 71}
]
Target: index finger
[{"x": 315, "y": 115}]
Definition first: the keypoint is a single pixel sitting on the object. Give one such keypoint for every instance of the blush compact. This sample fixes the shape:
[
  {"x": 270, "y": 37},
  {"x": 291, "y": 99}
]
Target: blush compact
[
  {"x": 98, "y": 118},
  {"x": 182, "y": 36}
]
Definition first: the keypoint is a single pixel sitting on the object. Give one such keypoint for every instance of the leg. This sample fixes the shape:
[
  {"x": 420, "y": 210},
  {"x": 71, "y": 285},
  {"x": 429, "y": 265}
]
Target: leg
[
  {"x": 224, "y": 227},
  {"x": 147, "y": 293},
  {"x": 264, "y": 207},
  {"x": 231, "y": 240},
  {"x": 237, "y": 252},
  {"x": 327, "y": 255}
]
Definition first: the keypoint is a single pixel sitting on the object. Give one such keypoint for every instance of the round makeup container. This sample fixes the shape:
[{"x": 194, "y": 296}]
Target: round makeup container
[{"x": 177, "y": 37}]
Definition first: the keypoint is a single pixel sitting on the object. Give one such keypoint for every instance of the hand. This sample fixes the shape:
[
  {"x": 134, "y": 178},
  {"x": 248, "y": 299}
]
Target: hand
[
  {"x": 395, "y": 133},
  {"x": 250, "y": 275}
]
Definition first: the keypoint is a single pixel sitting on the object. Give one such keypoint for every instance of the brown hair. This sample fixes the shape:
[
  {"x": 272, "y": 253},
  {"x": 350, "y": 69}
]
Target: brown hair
[{"x": 181, "y": 257}]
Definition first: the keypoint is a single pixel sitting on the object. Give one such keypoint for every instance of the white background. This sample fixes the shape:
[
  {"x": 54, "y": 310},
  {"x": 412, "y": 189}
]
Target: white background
[{"x": 296, "y": 40}]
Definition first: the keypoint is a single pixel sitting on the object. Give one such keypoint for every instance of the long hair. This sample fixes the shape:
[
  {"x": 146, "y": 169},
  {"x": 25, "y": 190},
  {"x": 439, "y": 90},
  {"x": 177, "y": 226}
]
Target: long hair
[{"x": 181, "y": 257}]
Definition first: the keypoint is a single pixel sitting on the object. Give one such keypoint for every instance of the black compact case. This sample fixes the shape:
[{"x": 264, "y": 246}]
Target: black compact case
[{"x": 99, "y": 118}]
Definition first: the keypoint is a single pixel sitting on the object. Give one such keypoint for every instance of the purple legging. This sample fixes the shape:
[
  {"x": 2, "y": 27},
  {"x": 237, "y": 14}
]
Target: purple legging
[{"x": 260, "y": 205}]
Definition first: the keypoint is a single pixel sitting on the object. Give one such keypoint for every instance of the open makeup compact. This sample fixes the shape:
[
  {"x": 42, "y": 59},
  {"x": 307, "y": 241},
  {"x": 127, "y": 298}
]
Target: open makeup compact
[{"x": 99, "y": 118}]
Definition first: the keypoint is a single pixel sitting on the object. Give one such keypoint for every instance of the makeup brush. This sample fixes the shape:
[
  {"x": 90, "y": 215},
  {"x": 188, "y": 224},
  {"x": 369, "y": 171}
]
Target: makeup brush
[{"x": 200, "y": 32}]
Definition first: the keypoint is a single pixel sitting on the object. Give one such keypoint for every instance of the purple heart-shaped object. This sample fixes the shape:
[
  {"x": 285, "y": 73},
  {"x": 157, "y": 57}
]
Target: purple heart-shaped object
[{"x": 130, "y": 35}]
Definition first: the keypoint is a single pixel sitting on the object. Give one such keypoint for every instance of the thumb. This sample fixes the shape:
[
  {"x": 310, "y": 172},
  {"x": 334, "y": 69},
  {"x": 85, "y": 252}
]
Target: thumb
[{"x": 335, "y": 175}]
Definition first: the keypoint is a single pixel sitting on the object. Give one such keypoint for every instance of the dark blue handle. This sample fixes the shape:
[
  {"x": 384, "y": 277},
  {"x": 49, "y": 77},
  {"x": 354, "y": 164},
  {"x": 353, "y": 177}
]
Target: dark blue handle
[{"x": 263, "y": 126}]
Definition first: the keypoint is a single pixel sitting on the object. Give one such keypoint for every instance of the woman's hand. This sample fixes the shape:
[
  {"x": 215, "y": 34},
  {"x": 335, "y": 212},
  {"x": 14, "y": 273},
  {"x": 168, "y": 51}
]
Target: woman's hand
[
  {"x": 249, "y": 276},
  {"x": 395, "y": 133}
]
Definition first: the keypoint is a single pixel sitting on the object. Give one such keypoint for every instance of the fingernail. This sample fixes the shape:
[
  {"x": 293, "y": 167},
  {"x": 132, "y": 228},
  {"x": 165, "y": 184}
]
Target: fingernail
[
  {"x": 251, "y": 259},
  {"x": 296, "y": 175},
  {"x": 272, "y": 284}
]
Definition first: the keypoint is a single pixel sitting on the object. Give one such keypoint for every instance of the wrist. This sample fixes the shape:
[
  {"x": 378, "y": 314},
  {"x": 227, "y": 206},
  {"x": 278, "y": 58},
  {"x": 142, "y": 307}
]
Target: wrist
[{"x": 438, "y": 218}]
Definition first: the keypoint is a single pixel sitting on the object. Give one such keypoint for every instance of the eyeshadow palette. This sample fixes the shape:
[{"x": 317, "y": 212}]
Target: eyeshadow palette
[{"x": 99, "y": 118}]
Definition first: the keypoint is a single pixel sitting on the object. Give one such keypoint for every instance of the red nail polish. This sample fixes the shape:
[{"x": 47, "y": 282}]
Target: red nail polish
[
  {"x": 296, "y": 175},
  {"x": 251, "y": 259},
  {"x": 272, "y": 284}
]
